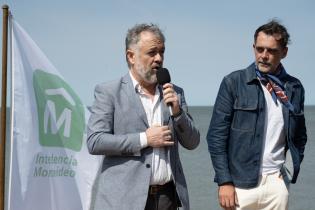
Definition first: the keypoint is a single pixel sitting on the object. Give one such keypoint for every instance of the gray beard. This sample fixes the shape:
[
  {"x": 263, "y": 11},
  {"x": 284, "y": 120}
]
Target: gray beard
[{"x": 147, "y": 75}]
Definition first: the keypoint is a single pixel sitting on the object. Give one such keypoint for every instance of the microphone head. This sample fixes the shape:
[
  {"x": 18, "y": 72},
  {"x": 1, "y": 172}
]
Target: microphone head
[{"x": 163, "y": 76}]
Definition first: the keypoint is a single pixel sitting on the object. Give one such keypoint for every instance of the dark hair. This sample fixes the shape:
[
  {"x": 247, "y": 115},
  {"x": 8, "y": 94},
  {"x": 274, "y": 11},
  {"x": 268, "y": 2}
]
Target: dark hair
[
  {"x": 275, "y": 28},
  {"x": 133, "y": 34}
]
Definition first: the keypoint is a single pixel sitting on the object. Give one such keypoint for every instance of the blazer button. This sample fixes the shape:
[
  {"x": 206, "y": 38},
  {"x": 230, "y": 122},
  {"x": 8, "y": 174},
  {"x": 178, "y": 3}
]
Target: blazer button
[{"x": 147, "y": 165}]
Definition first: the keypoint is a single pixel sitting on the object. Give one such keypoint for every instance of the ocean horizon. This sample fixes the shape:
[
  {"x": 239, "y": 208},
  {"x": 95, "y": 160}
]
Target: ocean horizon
[{"x": 199, "y": 172}]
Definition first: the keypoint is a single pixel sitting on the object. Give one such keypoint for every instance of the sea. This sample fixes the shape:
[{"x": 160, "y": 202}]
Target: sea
[{"x": 199, "y": 172}]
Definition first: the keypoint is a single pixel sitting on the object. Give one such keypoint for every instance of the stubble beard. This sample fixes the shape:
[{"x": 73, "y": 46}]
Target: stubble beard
[
  {"x": 267, "y": 68},
  {"x": 147, "y": 75}
]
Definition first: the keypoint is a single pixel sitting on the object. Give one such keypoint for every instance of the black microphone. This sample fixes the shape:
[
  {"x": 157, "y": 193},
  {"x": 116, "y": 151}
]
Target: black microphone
[{"x": 163, "y": 77}]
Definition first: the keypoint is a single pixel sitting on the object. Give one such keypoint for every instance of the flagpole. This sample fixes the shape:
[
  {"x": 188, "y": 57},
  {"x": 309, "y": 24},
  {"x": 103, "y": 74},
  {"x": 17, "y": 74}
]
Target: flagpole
[{"x": 5, "y": 9}]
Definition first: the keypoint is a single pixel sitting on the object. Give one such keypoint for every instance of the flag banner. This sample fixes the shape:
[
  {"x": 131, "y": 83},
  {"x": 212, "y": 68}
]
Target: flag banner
[{"x": 51, "y": 168}]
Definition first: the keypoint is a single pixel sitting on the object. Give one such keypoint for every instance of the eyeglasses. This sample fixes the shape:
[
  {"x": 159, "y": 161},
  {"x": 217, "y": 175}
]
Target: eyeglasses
[{"x": 272, "y": 51}]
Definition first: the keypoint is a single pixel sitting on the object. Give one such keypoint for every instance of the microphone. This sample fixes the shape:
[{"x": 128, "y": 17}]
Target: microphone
[{"x": 163, "y": 77}]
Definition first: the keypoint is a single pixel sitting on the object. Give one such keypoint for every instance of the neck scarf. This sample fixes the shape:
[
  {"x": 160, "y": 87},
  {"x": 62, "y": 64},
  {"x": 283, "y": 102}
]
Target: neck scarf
[{"x": 275, "y": 87}]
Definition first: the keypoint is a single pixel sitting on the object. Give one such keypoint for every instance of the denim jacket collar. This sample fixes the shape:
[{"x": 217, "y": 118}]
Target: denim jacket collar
[
  {"x": 251, "y": 74},
  {"x": 252, "y": 77}
]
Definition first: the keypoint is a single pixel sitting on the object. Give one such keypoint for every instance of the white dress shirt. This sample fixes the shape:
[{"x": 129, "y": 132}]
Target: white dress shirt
[{"x": 160, "y": 167}]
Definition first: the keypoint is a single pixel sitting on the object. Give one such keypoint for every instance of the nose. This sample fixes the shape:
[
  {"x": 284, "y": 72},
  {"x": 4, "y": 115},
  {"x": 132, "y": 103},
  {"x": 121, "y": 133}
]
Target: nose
[
  {"x": 265, "y": 54},
  {"x": 158, "y": 58}
]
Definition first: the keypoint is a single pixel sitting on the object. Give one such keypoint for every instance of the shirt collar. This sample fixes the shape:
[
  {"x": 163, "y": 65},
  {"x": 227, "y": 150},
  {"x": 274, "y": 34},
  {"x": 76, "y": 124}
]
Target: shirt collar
[{"x": 137, "y": 86}]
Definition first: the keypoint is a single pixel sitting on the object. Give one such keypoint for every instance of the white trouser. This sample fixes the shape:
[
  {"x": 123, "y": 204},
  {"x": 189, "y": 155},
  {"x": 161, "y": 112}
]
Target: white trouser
[{"x": 271, "y": 194}]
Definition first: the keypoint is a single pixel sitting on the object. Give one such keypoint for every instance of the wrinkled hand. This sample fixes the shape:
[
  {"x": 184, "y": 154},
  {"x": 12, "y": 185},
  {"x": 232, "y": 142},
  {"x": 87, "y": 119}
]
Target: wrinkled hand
[
  {"x": 227, "y": 197},
  {"x": 159, "y": 136},
  {"x": 170, "y": 97}
]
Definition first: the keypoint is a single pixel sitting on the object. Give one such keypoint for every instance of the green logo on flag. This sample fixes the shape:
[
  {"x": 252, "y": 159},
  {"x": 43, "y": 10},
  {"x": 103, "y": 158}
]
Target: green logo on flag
[{"x": 60, "y": 112}]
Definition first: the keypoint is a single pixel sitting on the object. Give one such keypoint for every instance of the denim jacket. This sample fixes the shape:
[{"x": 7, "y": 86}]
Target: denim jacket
[{"x": 235, "y": 135}]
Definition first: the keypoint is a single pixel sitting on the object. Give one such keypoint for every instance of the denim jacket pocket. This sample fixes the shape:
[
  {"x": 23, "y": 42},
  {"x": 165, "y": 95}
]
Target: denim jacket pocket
[{"x": 245, "y": 114}]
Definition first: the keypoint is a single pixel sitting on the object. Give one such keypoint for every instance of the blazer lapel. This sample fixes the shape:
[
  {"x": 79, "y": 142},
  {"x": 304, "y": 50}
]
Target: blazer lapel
[
  {"x": 134, "y": 99},
  {"x": 164, "y": 109},
  {"x": 166, "y": 120}
]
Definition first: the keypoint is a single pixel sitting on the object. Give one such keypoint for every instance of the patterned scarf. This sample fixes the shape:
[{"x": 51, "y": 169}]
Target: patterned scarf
[{"x": 275, "y": 87}]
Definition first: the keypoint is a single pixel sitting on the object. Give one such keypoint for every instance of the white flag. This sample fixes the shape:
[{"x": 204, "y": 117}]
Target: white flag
[{"x": 51, "y": 168}]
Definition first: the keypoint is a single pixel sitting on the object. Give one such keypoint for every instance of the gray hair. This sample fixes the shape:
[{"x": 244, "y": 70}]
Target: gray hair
[{"x": 133, "y": 34}]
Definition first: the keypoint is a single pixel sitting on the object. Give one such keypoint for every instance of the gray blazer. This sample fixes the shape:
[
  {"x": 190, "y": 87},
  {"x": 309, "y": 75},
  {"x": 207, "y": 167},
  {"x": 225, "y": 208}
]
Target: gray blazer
[{"x": 117, "y": 118}]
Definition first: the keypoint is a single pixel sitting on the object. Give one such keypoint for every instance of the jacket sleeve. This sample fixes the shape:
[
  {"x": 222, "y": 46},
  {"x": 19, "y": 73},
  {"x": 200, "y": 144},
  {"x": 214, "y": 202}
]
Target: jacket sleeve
[
  {"x": 187, "y": 133},
  {"x": 219, "y": 131},
  {"x": 101, "y": 139}
]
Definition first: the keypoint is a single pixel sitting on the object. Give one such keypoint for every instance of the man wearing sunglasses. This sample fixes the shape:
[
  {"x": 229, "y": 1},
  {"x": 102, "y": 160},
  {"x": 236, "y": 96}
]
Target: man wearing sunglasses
[{"x": 258, "y": 121}]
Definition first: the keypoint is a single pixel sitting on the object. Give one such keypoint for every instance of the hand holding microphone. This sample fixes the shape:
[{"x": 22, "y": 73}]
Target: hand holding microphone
[{"x": 169, "y": 94}]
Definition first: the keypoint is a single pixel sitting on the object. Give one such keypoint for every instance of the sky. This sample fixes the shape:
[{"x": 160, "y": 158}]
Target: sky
[{"x": 205, "y": 39}]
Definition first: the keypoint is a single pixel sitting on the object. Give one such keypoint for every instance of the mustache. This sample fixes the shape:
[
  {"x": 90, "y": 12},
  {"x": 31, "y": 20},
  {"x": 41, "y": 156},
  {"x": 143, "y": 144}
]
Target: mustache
[
  {"x": 264, "y": 63},
  {"x": 156, "y": 67}
]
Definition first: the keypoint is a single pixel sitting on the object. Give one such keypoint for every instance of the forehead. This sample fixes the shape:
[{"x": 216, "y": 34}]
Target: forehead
[
  {"x": 264, "y": 39},
  {"x": 149, "y": 39}
]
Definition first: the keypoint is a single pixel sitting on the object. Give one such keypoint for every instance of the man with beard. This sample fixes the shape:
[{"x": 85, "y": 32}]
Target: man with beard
[
  {"x": 258, "y": 115},
  {"x": 131, "y": 125}
]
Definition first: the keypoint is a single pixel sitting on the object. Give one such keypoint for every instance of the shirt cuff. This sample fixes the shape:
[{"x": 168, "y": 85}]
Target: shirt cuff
[{"x": 143, "y": 140}]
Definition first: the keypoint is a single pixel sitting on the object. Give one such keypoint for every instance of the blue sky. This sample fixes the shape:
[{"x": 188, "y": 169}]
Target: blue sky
[{"x": 205, "y": 40}]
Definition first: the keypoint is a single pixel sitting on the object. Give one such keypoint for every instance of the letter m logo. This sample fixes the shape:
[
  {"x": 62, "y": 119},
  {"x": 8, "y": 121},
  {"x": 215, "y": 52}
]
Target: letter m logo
[{"x": 60, "y": 112}]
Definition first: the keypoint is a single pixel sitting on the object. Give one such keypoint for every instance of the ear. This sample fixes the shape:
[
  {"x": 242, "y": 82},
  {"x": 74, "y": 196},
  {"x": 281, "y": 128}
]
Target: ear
[
  {"x": 130, "y": 54},
  {"x": 284, "y": 52}
]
